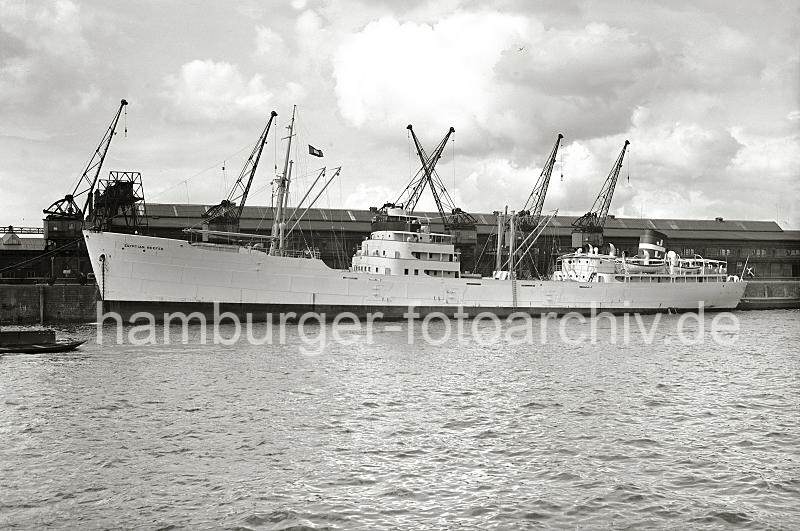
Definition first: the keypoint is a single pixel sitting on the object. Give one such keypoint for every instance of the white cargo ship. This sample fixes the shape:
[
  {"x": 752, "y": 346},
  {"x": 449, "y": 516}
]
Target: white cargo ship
[{"x": 403, "y": 265}]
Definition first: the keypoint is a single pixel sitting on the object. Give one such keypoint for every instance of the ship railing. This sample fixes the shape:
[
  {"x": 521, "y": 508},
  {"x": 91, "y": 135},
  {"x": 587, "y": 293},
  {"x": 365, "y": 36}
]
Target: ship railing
[
  {"x": 289, "y": 253},
  {"x": 667, "y": 278},
  {"x": 302, "y": 253}
]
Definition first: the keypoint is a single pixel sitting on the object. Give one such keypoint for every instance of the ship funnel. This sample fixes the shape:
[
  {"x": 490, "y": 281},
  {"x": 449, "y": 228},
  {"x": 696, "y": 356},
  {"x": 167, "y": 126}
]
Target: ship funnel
[{"x": 652, "y": 244}]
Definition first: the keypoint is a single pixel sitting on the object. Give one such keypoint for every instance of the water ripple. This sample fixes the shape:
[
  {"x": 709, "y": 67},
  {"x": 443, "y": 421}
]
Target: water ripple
[{"x": 391, "y": 435}]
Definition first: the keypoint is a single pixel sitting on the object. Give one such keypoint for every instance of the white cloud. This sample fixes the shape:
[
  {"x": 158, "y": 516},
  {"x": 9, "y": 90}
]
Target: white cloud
[
  {"x": 269, "y": 42},
  {"x": 88, "y": 97},
  {"x": 767, "y": 157},
  {"x": 497, "y": 77},
  {"x": 596, "y": 58},
  {"x": 42, "y": 47},
  {"x": 687, "y": 149},
  {"x": 295, "y": 92},
  {"x": 54, "y": 28},
  {"x": 212, "y": 90},
  {"x": 392, "y": 73},
  {"x": 367, "y": 194},
  {"x": 308, "y": 23}
]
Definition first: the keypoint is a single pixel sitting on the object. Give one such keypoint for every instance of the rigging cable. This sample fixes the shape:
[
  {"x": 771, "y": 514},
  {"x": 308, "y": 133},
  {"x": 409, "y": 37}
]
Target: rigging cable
[
  {"x": 38, "y": 258},
  {"x": 198, "y": 174},
  {"x": 224, "y": 179},
  {"x": 628, "y": 166},
  {"x": 630, "y": 153}
]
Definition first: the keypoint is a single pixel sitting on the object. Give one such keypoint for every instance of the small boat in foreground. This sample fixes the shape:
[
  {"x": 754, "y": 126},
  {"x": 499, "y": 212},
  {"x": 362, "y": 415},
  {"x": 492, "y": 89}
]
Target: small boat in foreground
[
  {"x": 58, "y": 346},
  {"x": 34, "y": 342}
]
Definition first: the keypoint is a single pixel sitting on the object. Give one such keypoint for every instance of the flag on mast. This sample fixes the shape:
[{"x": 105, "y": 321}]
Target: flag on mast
[{"x": 314, "y": 151}]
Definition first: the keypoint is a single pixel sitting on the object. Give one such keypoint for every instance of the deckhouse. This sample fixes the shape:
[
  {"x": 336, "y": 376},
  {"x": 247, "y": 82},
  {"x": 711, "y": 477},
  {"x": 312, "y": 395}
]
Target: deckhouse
[{"x": 403, "y": 244}]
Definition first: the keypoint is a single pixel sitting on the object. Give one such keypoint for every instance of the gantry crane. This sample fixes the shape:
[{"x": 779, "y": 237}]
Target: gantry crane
[
  {"x": 226, "y": 215},
  {"x": 64, "y": 220},
  {"x": 589, "y": 227}
]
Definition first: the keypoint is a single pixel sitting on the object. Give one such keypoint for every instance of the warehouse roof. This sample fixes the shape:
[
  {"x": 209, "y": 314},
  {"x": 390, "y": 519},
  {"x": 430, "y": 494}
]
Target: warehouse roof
[
  {"x": 11, "y": 242},
  {"x": 256, "y": 217}
]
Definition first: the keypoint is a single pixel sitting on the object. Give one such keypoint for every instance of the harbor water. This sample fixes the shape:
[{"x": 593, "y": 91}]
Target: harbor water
[{"x": 394, "y": 435}]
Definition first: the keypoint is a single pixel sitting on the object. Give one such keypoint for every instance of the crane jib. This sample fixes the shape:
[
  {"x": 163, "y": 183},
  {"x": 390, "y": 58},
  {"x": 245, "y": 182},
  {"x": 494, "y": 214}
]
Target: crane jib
[
  {"x": 68, "y": 207},
  {"x": 595, "y": 219}
]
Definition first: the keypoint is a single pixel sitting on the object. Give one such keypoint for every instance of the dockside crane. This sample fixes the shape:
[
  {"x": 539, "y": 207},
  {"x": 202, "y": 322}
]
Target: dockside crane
[
  {"x": 64, "y": 218},
  {"x": 589, "y": 227},
  {"x": 411, "y": 194},
  {"x": 527, "y": 219},
  {"x": 227, "y": 215},
  {"x": 529, "y": 215},
  {"x": 460, "y": 224},
  {"x": 452, "y": 216}
]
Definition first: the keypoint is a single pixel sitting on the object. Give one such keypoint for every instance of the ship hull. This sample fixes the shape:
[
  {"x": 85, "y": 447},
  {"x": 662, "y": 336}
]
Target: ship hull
[
  {"x": 158, "y": 275},
  {"x": 167, "y": 312}
]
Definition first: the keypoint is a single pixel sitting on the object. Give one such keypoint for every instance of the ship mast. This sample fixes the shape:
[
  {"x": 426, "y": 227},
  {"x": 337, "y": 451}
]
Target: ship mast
[
  {"x": 501, "y": 224},
  {"x": 282, "y": 229},
  {"x": 512, "y": 240},
  {"x": 277, "y": 243}
]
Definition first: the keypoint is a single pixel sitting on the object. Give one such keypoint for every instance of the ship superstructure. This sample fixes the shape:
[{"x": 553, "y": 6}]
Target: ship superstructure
[
  {"x": 405, "y": 246},
  {"x": 653, "y": 263}
]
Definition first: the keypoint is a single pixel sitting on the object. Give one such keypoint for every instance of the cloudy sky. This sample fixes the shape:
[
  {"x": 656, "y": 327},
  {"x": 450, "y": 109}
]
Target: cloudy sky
[{"x": 708, "y": 93}]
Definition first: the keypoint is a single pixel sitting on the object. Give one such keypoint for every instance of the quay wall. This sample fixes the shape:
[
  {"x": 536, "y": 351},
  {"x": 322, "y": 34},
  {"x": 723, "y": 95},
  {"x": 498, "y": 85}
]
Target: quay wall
[
  {"x": 42, "y": 303},
  {"x": 73, "y": 303},
  {"x": 771, "y": 294}
]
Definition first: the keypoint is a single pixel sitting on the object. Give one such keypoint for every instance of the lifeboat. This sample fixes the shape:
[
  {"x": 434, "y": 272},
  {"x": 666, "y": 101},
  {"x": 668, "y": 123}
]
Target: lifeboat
[{"x": 636, "y": 266}]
